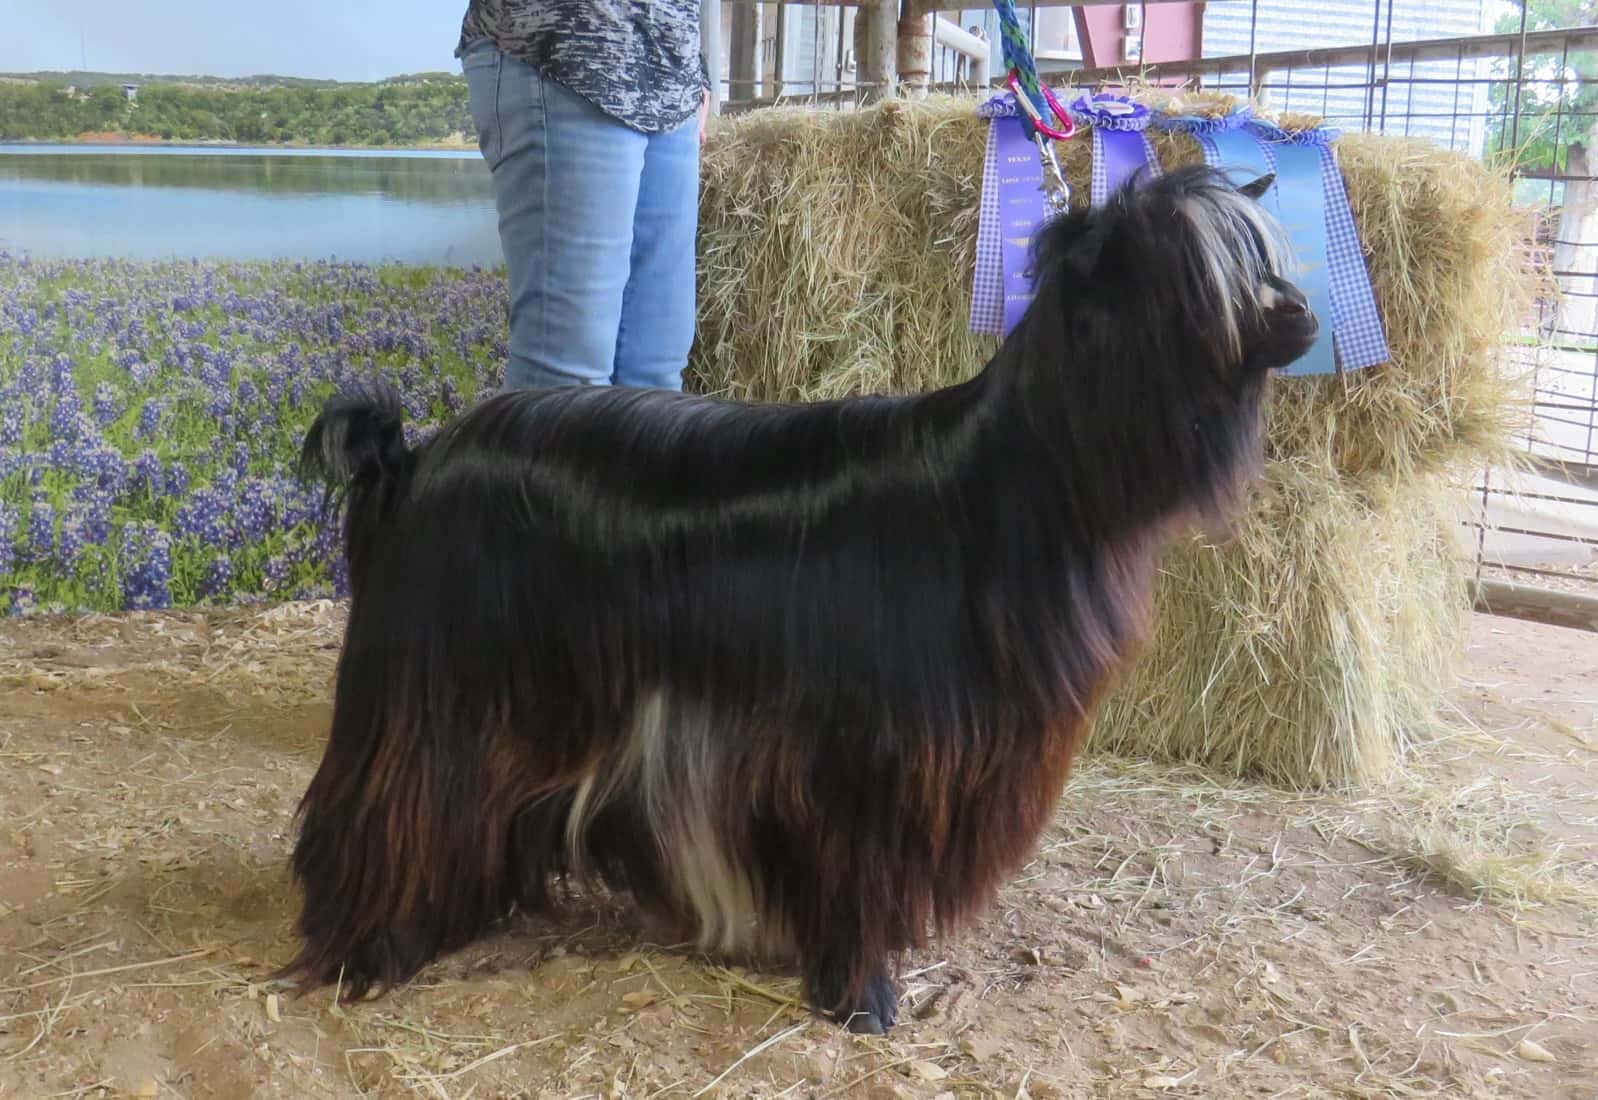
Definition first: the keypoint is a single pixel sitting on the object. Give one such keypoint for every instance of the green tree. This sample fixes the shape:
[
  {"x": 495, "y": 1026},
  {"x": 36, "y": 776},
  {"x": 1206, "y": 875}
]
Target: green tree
[
  {"x": 1555, "y": 138},
  {"x": 405, "y": 112},
  {"x": 1557, "y": 93}
]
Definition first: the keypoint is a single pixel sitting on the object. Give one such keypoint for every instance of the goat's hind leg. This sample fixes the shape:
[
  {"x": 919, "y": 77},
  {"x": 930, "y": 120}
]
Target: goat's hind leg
[{"x": 404, "y": 843}]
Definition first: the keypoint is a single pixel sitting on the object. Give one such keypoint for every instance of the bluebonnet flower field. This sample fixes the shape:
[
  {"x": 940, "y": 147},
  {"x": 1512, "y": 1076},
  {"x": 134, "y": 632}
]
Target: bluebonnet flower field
[
  {"x": 151, "y": 765},
  {"x": 150, "y": 416}
]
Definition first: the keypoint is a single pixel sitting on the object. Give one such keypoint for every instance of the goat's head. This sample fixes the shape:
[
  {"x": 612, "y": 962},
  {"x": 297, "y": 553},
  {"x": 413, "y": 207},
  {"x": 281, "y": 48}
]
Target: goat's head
[
  {"x": 1187, "y": 265},
  {"x": 1156, "y": 322}
]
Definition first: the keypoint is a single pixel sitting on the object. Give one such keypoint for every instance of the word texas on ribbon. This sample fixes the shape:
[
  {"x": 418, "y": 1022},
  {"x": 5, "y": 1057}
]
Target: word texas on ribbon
[
  {"x": 1310, "y": 200},
  {"x": 1013, "y": 206}
]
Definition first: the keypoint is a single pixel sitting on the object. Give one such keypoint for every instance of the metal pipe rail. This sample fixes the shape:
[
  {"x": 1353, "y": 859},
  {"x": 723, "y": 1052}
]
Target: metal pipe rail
[{"x": 1465, "y": 47}]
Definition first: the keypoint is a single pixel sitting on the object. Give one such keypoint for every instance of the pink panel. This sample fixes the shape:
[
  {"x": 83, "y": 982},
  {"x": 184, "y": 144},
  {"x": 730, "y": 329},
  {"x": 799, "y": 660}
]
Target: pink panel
[{"x": 1171, "y": 32}]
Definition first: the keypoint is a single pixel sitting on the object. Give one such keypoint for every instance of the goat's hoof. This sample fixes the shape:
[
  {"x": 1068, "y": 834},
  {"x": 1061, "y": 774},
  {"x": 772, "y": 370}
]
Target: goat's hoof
[
  {"x": 878, "y": 1010},
  {"x": 865, "y": 1023},
  {"x": 874, "y": 1012}
]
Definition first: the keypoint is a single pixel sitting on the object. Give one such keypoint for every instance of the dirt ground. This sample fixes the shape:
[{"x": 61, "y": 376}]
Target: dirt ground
[{"x": 1175, "y": 936}]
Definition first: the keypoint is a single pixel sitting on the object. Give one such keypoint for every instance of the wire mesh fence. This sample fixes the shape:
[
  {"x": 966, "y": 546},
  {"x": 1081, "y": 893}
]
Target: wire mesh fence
[{"x": 1524, "y": 100}]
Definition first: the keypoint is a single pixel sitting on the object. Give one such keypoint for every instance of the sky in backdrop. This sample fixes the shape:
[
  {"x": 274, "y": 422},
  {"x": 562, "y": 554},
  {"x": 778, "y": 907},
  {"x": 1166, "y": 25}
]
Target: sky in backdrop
[{"x": 326, "y": 39}]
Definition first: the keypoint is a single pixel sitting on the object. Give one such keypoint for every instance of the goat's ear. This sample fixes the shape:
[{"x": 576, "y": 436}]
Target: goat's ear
[
  {"x": 1258, "y": 188},
  {"x": 1069, "y": 243},
  {"x": 1085, "y": 253}
]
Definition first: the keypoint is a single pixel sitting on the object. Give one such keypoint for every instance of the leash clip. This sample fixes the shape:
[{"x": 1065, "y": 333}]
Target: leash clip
[
  {"x": 1059, "y": 112},
  {"x": 1057, "y": 190}
]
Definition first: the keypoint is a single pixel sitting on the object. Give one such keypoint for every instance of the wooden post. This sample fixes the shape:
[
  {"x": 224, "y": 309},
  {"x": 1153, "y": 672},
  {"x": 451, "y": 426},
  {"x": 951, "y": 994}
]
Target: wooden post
[
  {"x": 779, "y": 53},
  {"x": 1540, "y": 605},
  {"x": 876, "y": 46},
  {"x": 1257, "y": 82}
]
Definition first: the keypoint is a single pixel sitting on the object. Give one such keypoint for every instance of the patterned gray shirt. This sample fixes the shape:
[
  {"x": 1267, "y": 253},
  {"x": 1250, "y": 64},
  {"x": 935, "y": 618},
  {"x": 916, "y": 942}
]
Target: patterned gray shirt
[{"x": 636, "y": 60}]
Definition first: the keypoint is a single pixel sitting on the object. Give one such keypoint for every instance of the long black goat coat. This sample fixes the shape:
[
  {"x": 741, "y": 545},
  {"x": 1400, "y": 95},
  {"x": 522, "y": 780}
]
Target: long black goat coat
[{"x": 803, "y": 679}]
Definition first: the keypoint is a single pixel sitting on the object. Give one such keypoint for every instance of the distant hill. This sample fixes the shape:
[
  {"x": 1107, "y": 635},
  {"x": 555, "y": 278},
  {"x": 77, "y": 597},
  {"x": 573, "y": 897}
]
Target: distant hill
[
  {"x": 79, "y": 79},
  {"x": 413, "y": 109}
]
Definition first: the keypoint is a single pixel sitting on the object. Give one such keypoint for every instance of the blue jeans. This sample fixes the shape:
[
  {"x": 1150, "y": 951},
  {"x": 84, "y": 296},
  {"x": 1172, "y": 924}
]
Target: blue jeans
[{"x": 598, "y": 223}]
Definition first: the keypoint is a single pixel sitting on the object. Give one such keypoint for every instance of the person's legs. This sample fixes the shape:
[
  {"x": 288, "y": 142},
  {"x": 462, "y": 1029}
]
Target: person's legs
[
  {"x": 566, "y": 180},
  {"x": 657, "y": 320}
]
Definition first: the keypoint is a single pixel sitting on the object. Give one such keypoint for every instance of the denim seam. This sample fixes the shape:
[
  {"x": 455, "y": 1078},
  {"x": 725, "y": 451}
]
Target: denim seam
[
  {"x": 627, "y": 287},
  {"x": 499, "y": 121},
  {"x": 543, "y": 219}
]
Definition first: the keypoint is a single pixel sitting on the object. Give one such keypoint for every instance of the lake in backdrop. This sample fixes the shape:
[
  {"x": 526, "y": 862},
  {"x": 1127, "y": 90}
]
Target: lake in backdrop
[{"x": 180, "y": 202}]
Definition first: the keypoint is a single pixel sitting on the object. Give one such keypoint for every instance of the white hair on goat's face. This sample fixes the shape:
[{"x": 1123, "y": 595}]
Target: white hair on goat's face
[{"x": 1240, "y": 247}]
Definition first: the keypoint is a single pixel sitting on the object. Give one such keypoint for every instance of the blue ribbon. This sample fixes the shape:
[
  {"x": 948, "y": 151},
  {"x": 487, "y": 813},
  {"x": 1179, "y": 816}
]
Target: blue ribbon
[
  {"x": 1239, "y": 151},
  {"x": 1302, "y": 209},
  {"x": 1309, "y": 198},
  {"x": 1361, "y": 340},
  {"x": 1022, "y": 208},
  {"x": 1297, "y": 198}
]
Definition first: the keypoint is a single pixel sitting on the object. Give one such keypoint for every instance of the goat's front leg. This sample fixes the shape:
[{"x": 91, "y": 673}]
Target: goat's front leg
[{"x": 849, "y": 985}]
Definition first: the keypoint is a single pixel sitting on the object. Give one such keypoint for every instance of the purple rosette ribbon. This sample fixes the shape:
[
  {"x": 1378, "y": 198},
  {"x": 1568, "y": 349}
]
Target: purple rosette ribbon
[
  {"x": 1121, "y": 147},
  {"x": 1013, "y": 206},
  {"x": 1002, "y": 105}
]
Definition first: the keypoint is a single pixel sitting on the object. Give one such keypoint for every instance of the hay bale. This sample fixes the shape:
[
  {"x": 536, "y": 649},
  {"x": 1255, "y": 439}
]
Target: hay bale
[
  {"x": 1447, "y": 257},
  {"x": 837, "y": 254},
  {"x": 1307, "y": 648}
]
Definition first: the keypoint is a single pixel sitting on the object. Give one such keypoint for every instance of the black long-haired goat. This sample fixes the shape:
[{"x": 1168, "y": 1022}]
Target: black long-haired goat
[{"x": 803, "y": 679}]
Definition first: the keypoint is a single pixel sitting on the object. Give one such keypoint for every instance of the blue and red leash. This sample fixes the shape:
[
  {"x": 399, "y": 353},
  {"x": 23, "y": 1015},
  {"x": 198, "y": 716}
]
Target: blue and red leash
[{"x": 1034, "y": 98}]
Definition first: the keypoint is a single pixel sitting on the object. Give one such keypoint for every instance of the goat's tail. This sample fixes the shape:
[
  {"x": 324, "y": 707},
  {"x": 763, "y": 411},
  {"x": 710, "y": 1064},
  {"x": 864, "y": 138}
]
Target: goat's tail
[
  {"x": 356, "y": 449},
  {"x": 359, "y": 437}
]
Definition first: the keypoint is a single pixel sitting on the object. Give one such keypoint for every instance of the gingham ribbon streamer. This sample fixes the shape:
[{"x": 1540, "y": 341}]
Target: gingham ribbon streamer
[
  {"x": 1359, "y": 338},
  {"x": 1298, "y": 200},
  {"x": 987, "y": 289},
  {"x": 1013, "y": 206},
  {"x": 988, "y": 283},
  {"x": 1205, "y": 130},
  {"x": 1100, "y": 175}
]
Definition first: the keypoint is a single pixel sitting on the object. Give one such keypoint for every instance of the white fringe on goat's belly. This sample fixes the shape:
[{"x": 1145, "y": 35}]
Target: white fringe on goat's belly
[{"x": 669, "y": 764}]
